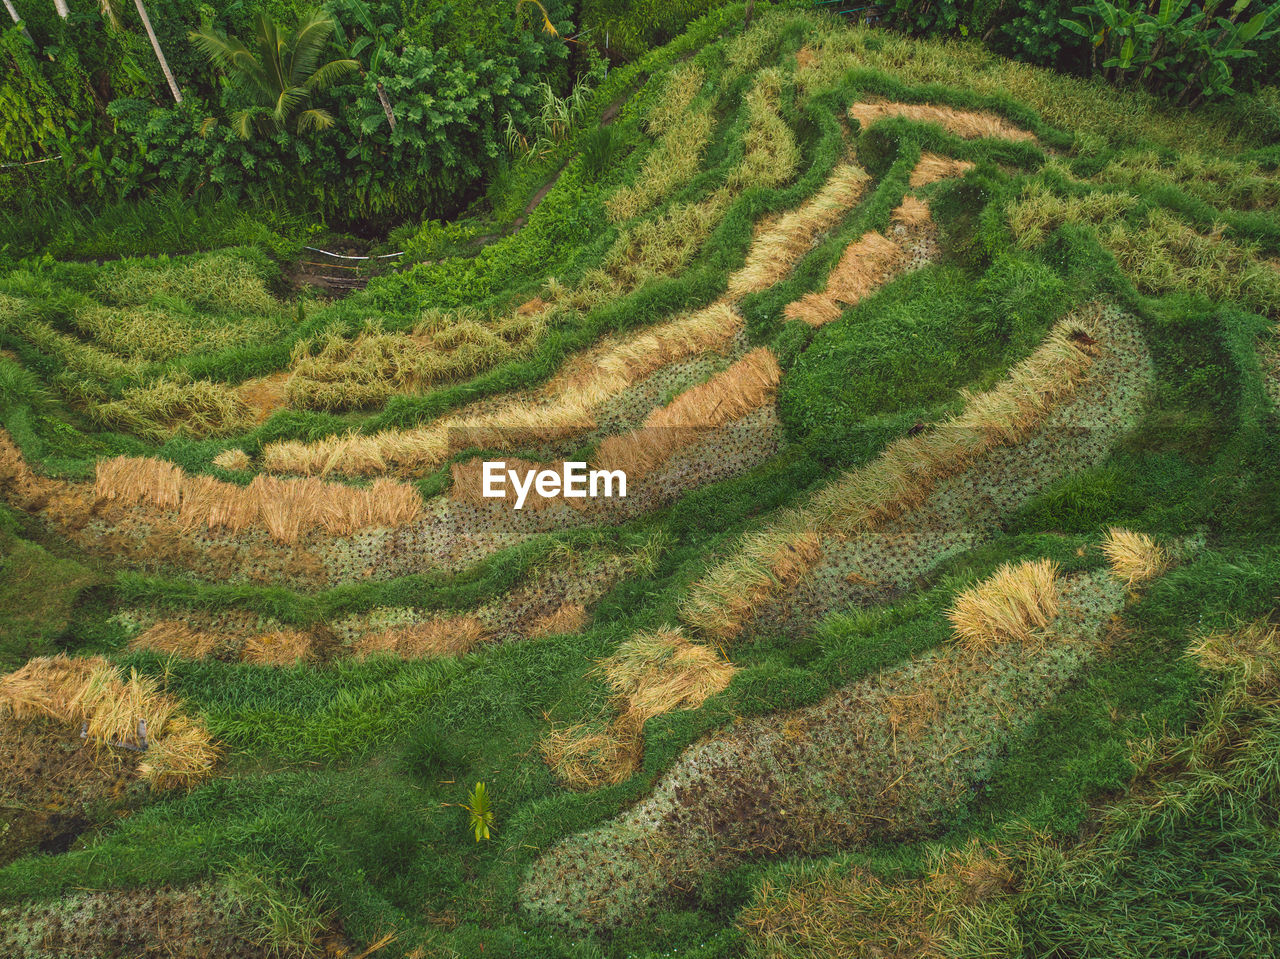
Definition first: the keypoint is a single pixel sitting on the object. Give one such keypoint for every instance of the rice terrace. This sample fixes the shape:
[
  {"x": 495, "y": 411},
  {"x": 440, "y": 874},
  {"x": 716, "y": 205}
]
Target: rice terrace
[{"x": 639, "y": 479}]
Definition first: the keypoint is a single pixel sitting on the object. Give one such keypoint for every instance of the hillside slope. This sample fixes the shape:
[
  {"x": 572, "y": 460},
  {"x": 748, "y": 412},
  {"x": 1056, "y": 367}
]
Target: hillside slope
[{"x": 939, "y": 617}]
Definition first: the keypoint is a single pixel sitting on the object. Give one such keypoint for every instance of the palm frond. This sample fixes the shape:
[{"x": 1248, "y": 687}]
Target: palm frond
[
  {"x": 220, "y": 49},
  {"x": 240, "y": 122},
  {"x": 330, "y": 73},
  {"x": 279, "y": 78},
  {"x": 307, "y": 44},
  {"x": 314, "y": 120},
  {"x": 287, "y": 102}
]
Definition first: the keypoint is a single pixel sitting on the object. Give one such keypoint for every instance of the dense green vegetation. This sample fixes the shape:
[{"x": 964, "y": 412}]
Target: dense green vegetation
[
  {"x": 1083, "y": 262},
  {"x": 432, "y": 99}
]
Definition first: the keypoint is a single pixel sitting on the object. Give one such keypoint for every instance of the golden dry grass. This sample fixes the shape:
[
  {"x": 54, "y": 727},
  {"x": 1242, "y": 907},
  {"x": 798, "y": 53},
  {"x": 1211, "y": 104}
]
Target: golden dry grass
[
  {"x": 564, "y": 619},
  {"x": 672, "y": 161},
  {"x": 565, "y": 408},
  {"x": 865, "y": 266},
  {"x": 682, "y": 85},
  {"x": 223, "y": 506},
  {"x": 92, "y": 691},
  {"x": 722, "y": 601},
  {"x": 135, "y": 480},
  {"x": 656, "y": 246},
  {"x": 777, "y": 249},
  {"x": 848, "y": 911},
  {"x": 789, "y": 560},
  {"x": 114, "y": 709},
  {"x": 1134, "y": 557},
  {"x": 181, "y": 758},
  {"x": 442, "y": 636},
  {"x": 770, "y": 153},
  {"x": 601, "y": 373},
  {"x": 912, "y": 213},
  {"x": 286, "y": 647},
  {"x": 1013, "y": 605},
  {"x": 1252, "y": 647},
  {"x": 49, "y": 686},
  {"x": 651, "y": 674},
  {"x": 286, "y": 508},
  {"x": 335, "y": 371},
  {"x": 232, "y": 459},
  {"x": 766, "y": 562},
  {"x": 969, "y": 124},
  {"x": 173, "y": 637},
  {"x": 934, "y": 167},
  {"x": 745, "y": 386},
  {"x": 585, "y": 757}
]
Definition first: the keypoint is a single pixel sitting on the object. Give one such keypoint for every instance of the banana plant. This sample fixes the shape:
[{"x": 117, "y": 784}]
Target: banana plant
[{"x": 1172, "y": 43}]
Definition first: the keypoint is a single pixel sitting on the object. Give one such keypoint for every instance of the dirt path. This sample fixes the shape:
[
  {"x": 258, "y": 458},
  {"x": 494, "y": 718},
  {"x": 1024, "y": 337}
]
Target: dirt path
[{"x": 606, "y": 118}]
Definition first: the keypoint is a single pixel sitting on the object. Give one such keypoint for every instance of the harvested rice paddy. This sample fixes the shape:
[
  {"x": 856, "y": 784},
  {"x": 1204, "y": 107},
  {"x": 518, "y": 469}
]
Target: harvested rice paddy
[{"x": 938, "y": 618}]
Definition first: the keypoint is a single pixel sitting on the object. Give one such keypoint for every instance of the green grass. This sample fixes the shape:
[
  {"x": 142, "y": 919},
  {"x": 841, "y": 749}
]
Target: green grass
[
  {"x": 343, "y": 782},
  {"x": 38, "y": 595}
]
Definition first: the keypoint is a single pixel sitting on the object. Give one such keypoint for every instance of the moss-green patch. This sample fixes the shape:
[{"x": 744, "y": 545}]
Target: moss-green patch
[{"x": 38, "y": 594}]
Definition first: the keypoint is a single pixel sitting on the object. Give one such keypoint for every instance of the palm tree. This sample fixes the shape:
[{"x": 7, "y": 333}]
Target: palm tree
[
  {"x": 8, "y": 5},
  {"x": 278, "y": 77},
  {"x": 111, "y": 11}
]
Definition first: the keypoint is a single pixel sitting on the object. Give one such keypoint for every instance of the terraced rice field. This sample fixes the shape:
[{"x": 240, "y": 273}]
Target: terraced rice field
[{"x": 945, "y": 584}]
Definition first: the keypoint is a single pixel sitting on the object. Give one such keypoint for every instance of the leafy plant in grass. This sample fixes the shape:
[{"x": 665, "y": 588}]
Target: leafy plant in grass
[
  {"x": 599, "y": 149},
  {"x": 280, "y": 76},
  {"x": 480, "y": 811},
  {"x": 554, "y": 121}
]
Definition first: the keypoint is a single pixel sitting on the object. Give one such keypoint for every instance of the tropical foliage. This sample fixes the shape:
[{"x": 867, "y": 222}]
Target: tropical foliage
[{"x": 280, "y": 76}]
